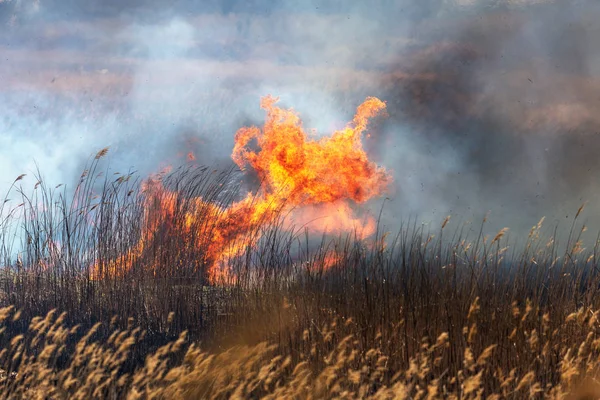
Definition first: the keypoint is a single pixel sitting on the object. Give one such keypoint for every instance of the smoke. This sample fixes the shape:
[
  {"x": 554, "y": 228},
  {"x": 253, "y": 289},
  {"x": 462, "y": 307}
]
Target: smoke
[
  {"x": 499, "y": 106},
  {"x": 491, "y": 103}
]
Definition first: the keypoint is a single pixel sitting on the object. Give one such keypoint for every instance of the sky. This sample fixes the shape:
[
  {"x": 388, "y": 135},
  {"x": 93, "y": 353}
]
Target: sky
[{"x": 491, "y": 103}]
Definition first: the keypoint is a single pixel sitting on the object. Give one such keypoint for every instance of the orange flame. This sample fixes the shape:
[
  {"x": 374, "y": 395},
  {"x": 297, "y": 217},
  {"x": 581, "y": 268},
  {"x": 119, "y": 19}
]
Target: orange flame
[
  {"x": 314, "y": 178},
  {"x": 307, "y": 171}
]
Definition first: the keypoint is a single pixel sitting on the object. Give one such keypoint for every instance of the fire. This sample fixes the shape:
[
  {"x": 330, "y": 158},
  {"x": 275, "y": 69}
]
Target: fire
[
  {"x": 307, "y": 171},
  {"x": 314, "y": 178},
  {"x": 336, "y": 217}
]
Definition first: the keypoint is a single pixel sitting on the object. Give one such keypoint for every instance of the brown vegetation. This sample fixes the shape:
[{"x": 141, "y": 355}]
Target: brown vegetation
[{"x": 422, "y": 314}]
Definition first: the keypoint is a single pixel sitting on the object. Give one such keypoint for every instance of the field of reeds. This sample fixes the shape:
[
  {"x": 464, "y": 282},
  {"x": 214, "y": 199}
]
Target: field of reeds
[{"x": 414, "y": 314}]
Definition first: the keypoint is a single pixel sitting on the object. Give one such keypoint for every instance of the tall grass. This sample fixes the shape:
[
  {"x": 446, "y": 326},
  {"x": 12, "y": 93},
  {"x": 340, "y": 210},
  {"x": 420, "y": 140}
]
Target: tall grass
[{"x": 417, "y": 313}]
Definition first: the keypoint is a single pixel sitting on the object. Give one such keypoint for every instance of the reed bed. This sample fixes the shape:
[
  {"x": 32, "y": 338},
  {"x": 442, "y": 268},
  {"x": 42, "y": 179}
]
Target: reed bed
[{"x": 412, "y": 314}]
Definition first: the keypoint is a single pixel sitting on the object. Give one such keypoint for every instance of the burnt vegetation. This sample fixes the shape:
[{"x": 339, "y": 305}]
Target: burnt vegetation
[{"x": 423, "y": 312}]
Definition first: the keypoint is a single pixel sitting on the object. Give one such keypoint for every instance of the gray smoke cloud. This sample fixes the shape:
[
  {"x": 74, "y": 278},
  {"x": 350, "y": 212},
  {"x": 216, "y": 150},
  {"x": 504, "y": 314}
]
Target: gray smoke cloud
[
  {"x": 491, "y": 103},
  {"x": 499, "y": 105}
]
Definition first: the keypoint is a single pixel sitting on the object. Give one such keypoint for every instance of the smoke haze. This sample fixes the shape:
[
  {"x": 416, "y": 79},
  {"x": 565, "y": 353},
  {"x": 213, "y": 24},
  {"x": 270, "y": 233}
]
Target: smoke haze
[{"x": 491, "y": 103}]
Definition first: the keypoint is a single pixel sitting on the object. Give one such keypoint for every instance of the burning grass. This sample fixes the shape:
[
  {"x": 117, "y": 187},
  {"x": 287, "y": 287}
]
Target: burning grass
[
  {"x": 290, "y": 313},
  {"x": 297, "y": 171},
  {"x": 421, "y": 314}
]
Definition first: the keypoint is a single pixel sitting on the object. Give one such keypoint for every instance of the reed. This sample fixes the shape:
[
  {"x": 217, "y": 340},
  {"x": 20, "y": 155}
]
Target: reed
[{"x": 412, "y": 314}]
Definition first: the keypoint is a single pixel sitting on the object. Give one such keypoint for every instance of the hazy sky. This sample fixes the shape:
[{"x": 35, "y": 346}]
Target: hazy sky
[{"x": 492, "y": 104}]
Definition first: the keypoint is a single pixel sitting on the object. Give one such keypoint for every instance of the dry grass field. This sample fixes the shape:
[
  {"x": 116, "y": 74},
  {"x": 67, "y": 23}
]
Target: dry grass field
[{"x": 173, "y": 288}]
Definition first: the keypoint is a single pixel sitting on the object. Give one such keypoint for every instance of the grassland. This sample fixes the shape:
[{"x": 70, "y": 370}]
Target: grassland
[{"x": 411, "y": 314}]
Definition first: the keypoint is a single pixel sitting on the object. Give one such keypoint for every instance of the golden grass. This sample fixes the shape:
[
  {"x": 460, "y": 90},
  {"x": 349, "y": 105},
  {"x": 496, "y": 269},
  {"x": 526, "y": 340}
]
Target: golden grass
[{"x": 52, "y": 360}]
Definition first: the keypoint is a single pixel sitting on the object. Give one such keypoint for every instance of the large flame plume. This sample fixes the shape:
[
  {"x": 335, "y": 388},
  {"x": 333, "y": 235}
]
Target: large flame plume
[{"x": 314, "y": 178}]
